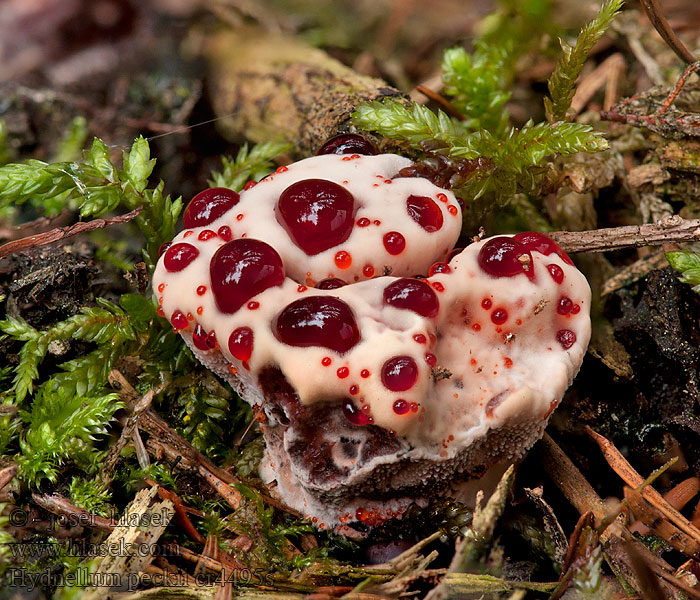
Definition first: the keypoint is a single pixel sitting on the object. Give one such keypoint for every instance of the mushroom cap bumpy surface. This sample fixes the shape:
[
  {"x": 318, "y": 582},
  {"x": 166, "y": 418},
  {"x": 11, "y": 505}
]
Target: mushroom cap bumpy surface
[{"x": 377, "y": 388}]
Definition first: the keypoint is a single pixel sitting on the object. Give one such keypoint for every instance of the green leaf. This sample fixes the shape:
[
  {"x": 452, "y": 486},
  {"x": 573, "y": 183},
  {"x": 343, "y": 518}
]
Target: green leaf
[
  {"x": 562, "y": 81},
  {"x": 248, "y": 165},
  {"x": 138, "y": 165},
  {"x": 98, "y": 158},
  {"x": 688, "y": 265}
]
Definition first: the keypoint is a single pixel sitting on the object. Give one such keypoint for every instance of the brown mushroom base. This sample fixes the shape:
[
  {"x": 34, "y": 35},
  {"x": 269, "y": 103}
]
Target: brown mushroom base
[{"x": 337, "y": 473}]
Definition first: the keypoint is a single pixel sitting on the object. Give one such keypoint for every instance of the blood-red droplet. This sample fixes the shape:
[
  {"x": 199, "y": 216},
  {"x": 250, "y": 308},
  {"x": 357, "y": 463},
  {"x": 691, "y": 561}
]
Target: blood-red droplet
[
  {"x": 575, "y": 309},
  {"x": 161, "y": 287},
  {"x": 249, "y": 185},
  {"x": 565, "y": 305},
  {"x": 209, "y": 205},
  {"x": 452, "y": 209},
  {"x": 537, "y": 242},
  {"x": 326, "y": 360},
  {"x": 354, "y": 389},
  {"x": 431, "y": 359},
  {"x": 343, "y": 259},
  {"x": 163, "y": 248},
  {"x": 401, "y": 407},
  {"x": 394, "y": 242},
  {"x": 399, "y": 373},
  {"x": 499, "y": 316},
  {"x": 342, "y": 372},
  {"x": 211, "y": 341},
  {"x": 178, "y": 256},
  {"x": 476, "y": 327},
  {"x": 240, "y": 343},
  {"x": 439, "y": 267},
  {"x": 199, "y": 338},
  {"x": 412, "y": 294},
  {"x": 556, "y": 272},
  {"x": 205, "y": 235},
  {"x": 505, "y": 257},
  {"x": 318, "y": 321},
  {"x": 437, "y": 286},
  {"x": 330, "y": 283},
  {"x": 425, "y": 212},
  {"x": 364, "y": 373},
  {"x": 356, "y": 417},
  {"x": 368, "y": 271},
  {"x": 160, "y": 312},
  {"x": 225, "y": 233},
  {"x": 241, "y": 269},
  {"x": 486, "y": 303},
  {"x": 317, "y": 214},
  {"x": 253, "y": 305},
  {"x": 420, "y": 338},
  {"x": 201, "y": 290},
  {"x": 179, "y": 320},
  {"x": 566, "y": 338},
  {"x": 347, "y": 143},
  {"x": 363, "y": 222}
]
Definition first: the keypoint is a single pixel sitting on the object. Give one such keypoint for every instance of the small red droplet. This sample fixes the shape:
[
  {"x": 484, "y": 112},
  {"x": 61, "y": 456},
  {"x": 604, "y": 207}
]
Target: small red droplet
[
  {"x": 188, "y": 233},
  {"x": 301, "y": 288},
  {"x": 377, "y": 222},
  {"x": 556, "y": 272},
  {"x": 420, "y": 338},
  {"x": 437, "y": 286},
  {"x": 190, "y": 316},
  {"x": 431, "y": 359},
  {"x": 401, "y": 407},
  {"x": 575, "y": 309},
  {"x": 178, "y": 256},
  {"x": 356, "y": 417},
  {"x": 160, "y": 312},
  {"x": 240, "y": 343},
  {"x": 566, "y": 338},
  {"x": 508, "y": 362},
  {"x": 253, "y": 305},
  {"x": 452, "y": 209},
  {"x": 211, "y": 341},
  {"x": 363, "y": 222},
  {"x": 439, "y": 267},
  {"x": 281, "y": 169},
  {"x": 239, "y": 217},
  {"x": 486, "y": 303},
  {"x": 179, "y": 320},
  {"x": 394, "y": 243},
  {"x": 161, "y": 287},
  {"x": 199, "y": 338},
  {"x": 250, "y": 184},
  {"x": 163, "y": 248},
  {"x": 472, "y": 361},
  {"x": 343, "y": 372},
  {"x": 499, "y": 316},
  {"x": 201, "y": 290},
  {"x": 225, "y": 233},
  {"x": 476, "y": 327},
  {"x": 414, "y": 406},
  {"x": 343, "y": 260},
  {"x": 354, "y": 389},
  {"x": 364, "y": 373},
  {"x": 326, "y": 360},
  {"x": 205, "y": 235},
  {"x": 441, "y": 197},
  {"x": 368, "y": 271},
  {"x": 565, "y": 305},
  {"x": 200, "y": 310}
]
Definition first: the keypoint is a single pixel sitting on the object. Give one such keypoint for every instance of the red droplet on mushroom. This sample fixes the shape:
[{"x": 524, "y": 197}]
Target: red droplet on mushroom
[
  {"x": 330, "y": 283},
  {"x": 342, "y": 372},
  {"x": 241, "y": 269},
  {"x": 412, "y": 294},
  {"x": 401, "y": 407},
  {"x": 356, "y": 417},
  {"x": 394, "y": 242},
  {"x": 505, "y": 257},
  {"x": 476, "y": 327},
  {"x": 250, "y": 184},
  {"x": 363, "y": 222},
  {"x": 347, "y": 143},
  {"x": 317, "y": 214},
  {"x": 538, "y": 242},
  {"x": 178, "y": 256},
  {"x": 556, "y": 272},
  {"x": 437, "y": 286},
  {"x": 425, "y": 212},
  {"x": 199, "y": 338},
  {"x": 452, "y": 209},
  {"x": 240, "y": 343},
  {"x": 179, "y": 320},
  {"x": 368, "y": 271},
  {"x": 211, "y": 340},
  {"x": 161, "y": 287},
  {"x": 201, "y": 290},
  {"x": 575, "y": 309},
  {"x": 431, "y": 359},
  {"x": 486, "y": 303},
  {"x": 318, "y": 321},
  {"x": 565, "y": 305},
  {"x": 163, "y": 248},
  {"x": 566, "y": 338},
  {"x": 420, "y": 338},
  {"x": 209, "y": 205},
  {"x": 326, "y": 360},
  {"x": 343, "y": 259},
  {"x": 225, "y": 233},
  {"x": 253, "y": 305},
  {"x": 364, "y": 373},
  {"x": 354, "y": 389},
  {"x": 499, "y": 316},
  {"x": 399, "y": 373},
  {"x": 439, "y": 267},
  {"x": 205, "y": 235}
]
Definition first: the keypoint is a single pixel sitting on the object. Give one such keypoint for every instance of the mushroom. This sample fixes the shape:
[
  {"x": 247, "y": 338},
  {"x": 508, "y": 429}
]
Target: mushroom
[{"x": 375, "y": 386}]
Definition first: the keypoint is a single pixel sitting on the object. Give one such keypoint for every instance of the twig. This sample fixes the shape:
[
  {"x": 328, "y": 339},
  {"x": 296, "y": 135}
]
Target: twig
[
  {"x": 61, "y": 233},
  {"x": 690, "y": 69},
  {"x": 58, "y": 505},
  {"x": 658, "y": 20},
  {"x": 669, "y": 229},
  {"x": 446, "y": 104},
  {"x": 7, "y": 474}
]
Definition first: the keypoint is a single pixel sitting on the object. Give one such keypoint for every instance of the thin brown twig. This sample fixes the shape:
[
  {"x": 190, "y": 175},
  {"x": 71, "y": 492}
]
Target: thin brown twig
[
  {"x": 446, "y": 104},
  {"x": 58, "y": 505},
  {"x": 690, "y": 69},
  {"x": 669, "y": 229},
  {"x": 7, "y": 474},
  {"x": 61, "y": 233},
  {"x": 658, "y": 20}
]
